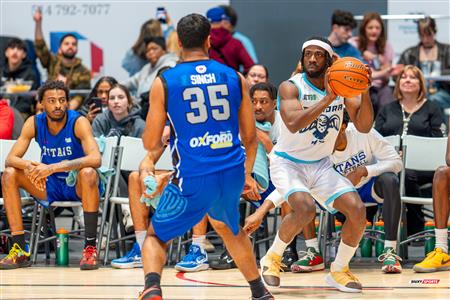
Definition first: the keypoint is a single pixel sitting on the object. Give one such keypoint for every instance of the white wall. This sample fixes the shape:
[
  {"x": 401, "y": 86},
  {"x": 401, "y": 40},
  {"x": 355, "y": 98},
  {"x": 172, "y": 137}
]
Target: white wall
[{"x": 112, "y": 25}]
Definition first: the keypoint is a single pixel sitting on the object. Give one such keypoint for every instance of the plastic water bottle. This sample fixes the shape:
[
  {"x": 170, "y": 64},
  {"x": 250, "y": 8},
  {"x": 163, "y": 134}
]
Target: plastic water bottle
[
  {"x": 366, "y": 243},
  {"x": 429, "y": 241},
  {"x": 379, "y": 244},
  {"x": 62, "y": 247}
]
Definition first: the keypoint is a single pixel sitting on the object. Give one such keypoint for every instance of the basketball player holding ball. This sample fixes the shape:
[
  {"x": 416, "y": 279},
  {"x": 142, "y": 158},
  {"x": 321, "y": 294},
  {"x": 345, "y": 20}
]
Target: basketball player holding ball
[{"x": 300, "y": 166}]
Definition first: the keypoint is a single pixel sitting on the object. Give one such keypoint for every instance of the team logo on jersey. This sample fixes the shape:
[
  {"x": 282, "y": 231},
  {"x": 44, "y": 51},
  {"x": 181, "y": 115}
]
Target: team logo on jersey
[
  {"x": 321, "y": 127},
  {"x": 200, "y": 69},
  {"x": 68, "y": 140},
  {"x": 214, "y": 141}
]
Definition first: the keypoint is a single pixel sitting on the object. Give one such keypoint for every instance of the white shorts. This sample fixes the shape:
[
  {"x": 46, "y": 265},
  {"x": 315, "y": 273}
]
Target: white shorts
[{"x": 319, "y": 179}]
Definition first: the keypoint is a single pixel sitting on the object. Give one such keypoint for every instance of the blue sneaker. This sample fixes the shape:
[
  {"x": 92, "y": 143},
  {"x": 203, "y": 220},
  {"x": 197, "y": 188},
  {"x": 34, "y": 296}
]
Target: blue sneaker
[
  {"x": 131, "y": 260},
  {"x": 196, "y": 260}
]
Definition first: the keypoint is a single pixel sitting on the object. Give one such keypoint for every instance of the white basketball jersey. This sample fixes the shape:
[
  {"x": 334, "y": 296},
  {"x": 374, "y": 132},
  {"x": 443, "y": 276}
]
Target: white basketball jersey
[{"x": 316, "y": 141}]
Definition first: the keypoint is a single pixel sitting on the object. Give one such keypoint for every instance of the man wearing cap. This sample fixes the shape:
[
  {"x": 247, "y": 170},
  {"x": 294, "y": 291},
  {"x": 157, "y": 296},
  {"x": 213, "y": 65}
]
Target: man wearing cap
[
  {"x": 224, "y": 48},
  {"x": 157, "y": 58},
  {"x": 301, "y": 169}
]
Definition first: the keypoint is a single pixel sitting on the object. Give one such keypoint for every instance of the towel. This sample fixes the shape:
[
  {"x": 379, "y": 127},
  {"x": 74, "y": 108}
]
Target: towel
[
  {"x": 261, "y": 166},
  {"x": 150, "y": 184}
]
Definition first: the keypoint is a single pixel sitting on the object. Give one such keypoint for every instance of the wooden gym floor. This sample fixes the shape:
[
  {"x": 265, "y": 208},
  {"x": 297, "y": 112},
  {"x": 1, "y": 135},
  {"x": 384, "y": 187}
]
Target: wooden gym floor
[{"x": 70, "y": 283}]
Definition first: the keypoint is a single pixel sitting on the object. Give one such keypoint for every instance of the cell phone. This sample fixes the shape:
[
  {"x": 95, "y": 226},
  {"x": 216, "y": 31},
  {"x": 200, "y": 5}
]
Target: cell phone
[
  {"x": 97, "y": 102},
  {"x": 161, "y": 15}
]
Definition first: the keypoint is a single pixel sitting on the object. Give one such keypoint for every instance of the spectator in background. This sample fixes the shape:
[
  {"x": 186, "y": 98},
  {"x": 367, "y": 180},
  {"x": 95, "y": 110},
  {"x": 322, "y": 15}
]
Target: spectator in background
[
  {"x": 64, "y": 66},
  {"x": 377, "y": 51},
  {"x": 411, "y": 114},
  {"x": 430, "y": 56},
  {"x": 100, "y": 90},
  {"x": 157, "y": 58},
  {"x": 121, "y": 117},
  {"x": 224, "y": 48},
  {"x": 342, "y": 25},
  {"x": 257, "y": 73},
  {"x": 135, "y": 58},
  {"x": 231, "y": 24},
  {"x": 19, "y": 67}
]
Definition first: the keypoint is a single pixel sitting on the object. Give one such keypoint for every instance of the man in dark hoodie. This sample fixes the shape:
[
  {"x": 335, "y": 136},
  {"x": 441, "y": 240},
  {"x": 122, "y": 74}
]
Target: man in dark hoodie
[
  {"x": 19, "y": 67},
  {"x": 64, "y": 66},
  {"x": 225, "y": 48}
]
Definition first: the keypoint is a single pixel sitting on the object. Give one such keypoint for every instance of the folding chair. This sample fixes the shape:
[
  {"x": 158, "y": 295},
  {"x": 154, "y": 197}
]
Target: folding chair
[
  {"x": 107, "y": 161},
  {"x": 130, "y": 154},
  {"x": 419, "y": 154}
]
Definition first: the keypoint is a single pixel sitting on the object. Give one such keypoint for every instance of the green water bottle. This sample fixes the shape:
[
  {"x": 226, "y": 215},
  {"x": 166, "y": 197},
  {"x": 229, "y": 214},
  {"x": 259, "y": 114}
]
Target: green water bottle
[
  {"x": 316, "y": 224},
  {"x": 379, "y": 244},
  {"x": 429, "y": 241},
  {"x": 62, "y": 247},
  {"x": 366, "y": 243}
]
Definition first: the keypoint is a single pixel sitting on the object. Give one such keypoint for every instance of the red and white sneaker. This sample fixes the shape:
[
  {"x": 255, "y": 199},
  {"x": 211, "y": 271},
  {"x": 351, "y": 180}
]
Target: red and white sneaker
[
  {"x": 89, "y": 259},
  {"x": 310, "y": 260}
]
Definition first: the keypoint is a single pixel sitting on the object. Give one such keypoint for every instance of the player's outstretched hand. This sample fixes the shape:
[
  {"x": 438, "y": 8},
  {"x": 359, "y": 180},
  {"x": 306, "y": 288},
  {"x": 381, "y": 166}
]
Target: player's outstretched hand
[
  {"x": 251, "y": 188},
  {"x": 252, "y": 223}
]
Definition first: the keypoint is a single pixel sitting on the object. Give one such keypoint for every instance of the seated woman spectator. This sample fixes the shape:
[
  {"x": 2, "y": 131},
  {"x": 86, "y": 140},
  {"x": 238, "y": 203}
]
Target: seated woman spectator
[
  {"x": 377, "y": 51},
  {"x": 121, "y": 117},
  {"x": 100, "y": 90},
  {"x": 256, "y": 74},
  {"x": 135, "y": 58},
  {"x": 411, "y": 114}
]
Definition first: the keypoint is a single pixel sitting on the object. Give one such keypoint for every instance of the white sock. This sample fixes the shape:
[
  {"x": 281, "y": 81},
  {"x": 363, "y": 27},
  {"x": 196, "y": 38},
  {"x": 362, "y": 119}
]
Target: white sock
[
  {"x": 343, "y": 257},
  {"x": 140, "y": 237},
  {"x": 312, "y": 243},
  {"x": 278, "y": 246},
  {"x": 441, "y": 239},
  {"x": 392, "y": 244},
  {"x": 198, "y": 240}
]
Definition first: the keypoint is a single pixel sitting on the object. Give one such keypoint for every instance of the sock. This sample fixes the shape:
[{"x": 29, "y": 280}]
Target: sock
[
  {"x": 19, "y": 239},
  {"x": 343, "y": 257},
  {"x": 314, "y": 243},
  {"x": 257, "y": 287},
  {"x": 441, "y": 239},
  {"x": 293, "y": 245},
  {"x": 198, "y": 240},
  {"x": 140, "y": 237},
  {"x": 391, "y": 244},
  {"x": 90, "y": 229},
  {"x": 152, "y": 279},
  {"x": 278, "y": 246}
]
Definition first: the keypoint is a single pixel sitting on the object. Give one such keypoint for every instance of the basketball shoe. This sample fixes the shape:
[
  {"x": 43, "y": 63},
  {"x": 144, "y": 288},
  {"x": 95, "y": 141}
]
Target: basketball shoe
[
  {"x": 17, "y": 258},
  {"x": 391, "y": 261},
  {"x": 436, "y": 260},
  {"x": 89, "y": 259},
  {"x": 152, "y": 293},
  {"x": 271, "y": 266},
  {"x": 131, "y": 260},
  {"x": 196, "y": 260},
  {"x": 344, "y": 281},
  {"x": 310, "y": 260},
  {"x": 290, "y": 256}
]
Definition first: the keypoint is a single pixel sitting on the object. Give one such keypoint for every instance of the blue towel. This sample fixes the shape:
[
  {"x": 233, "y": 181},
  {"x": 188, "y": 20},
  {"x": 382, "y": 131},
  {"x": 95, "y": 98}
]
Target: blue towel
[
  {"x": 261, "y": 166},
  {"x": 150, "y": 184}
]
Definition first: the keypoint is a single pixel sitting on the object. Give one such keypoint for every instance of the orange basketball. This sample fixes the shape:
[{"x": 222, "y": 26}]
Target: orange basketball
[{"x": 348, "y": 77}]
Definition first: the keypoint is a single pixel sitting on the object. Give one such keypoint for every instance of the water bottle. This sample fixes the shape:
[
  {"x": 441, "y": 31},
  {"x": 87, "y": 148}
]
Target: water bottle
[
  {"x": 379, "y": 244},
  {"x": 429, "y": 241},
  {"x": 448, "y": 229},
  {"x": 316, "y": 225},
  {"x": 62, "y": 247},
  {"x": 338, "y": 227},
  {"x": 365, "y": 244}
]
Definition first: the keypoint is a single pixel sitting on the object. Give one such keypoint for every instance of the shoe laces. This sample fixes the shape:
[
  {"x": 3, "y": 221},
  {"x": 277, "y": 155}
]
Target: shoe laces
[
  {"x": 389, "y": 255},
  {"x": 89, "y": 251},
  {"x": 350, "y": 274},
  {"x": 276, "y": 265},
  {"x": 308, "y": 254},
  {"x": 15, "y": 251},
  {"x": 191, "y": 255}
]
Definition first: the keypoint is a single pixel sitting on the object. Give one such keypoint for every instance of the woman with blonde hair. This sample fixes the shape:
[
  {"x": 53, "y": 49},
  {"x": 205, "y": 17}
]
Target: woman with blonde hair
[{"x": 412, "y": 114}]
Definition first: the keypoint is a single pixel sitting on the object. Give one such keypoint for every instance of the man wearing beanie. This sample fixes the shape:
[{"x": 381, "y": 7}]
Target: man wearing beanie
[
  {"x": 224, "y": 48},
  {"x": 158, "y": 58}
]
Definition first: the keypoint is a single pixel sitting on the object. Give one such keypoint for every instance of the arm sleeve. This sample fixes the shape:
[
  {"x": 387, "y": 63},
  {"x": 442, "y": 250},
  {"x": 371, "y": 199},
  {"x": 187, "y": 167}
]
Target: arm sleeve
[{"x": 387, "y": 158}]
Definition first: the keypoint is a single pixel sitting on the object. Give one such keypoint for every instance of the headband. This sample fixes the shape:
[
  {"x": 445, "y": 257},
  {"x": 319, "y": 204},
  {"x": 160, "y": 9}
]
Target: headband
[{"x": 320, "y": 44}]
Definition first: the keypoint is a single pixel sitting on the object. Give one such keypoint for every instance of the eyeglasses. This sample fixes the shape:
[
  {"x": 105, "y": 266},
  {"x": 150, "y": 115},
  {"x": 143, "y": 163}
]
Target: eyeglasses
[{"x": 317, "y": 54}]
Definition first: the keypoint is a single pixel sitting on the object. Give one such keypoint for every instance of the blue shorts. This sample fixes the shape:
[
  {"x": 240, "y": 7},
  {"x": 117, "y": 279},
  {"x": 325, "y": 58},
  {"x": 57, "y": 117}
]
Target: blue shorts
[
  {"x": 367, "y": 192},
  {"x": 185, "y": 201}
]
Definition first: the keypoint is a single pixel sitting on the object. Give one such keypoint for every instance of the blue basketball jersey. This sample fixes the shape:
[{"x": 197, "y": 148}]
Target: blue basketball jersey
[
  {"x": 202, "y": 103},
  {"x": 63, "y": 146}
]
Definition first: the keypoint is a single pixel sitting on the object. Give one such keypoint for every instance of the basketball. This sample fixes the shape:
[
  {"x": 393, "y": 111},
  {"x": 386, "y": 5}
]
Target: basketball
[{"x": 348, "y": 77}]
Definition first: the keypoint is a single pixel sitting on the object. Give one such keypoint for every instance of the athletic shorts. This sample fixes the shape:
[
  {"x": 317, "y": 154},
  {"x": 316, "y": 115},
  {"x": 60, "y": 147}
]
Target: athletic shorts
[
  {"x": 185, "y": 201},
  {"x": 367, "y": 192},
  {"x": 319, "y": 179}
]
